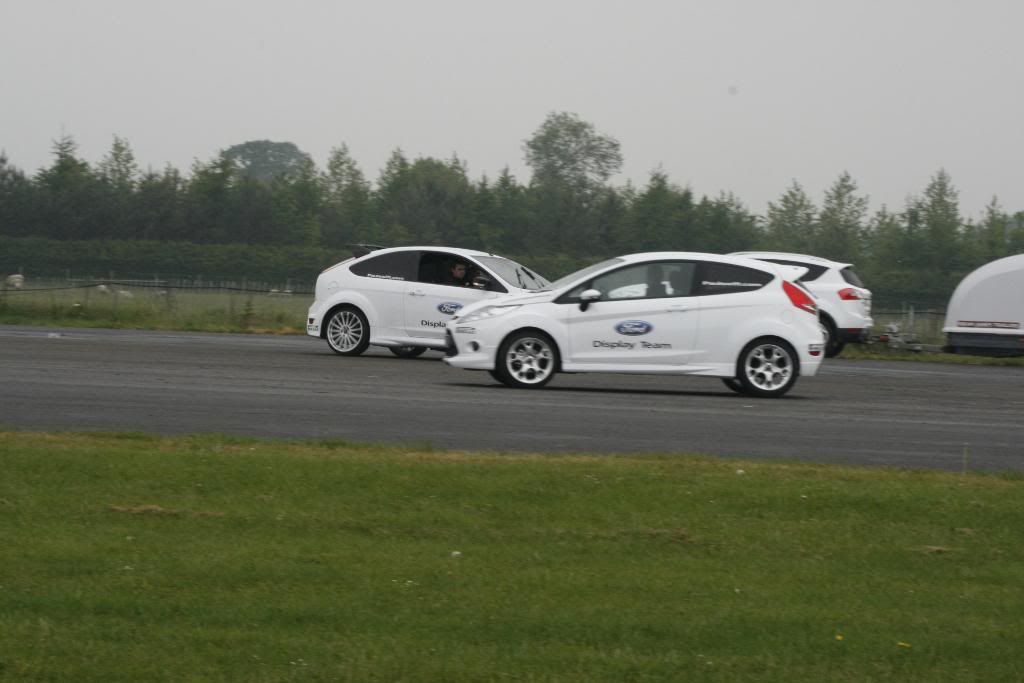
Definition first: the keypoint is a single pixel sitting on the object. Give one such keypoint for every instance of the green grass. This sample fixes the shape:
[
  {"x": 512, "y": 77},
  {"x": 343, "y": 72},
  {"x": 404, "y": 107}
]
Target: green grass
[
  {"x": 883, "y": 352},
  {"x": 157, "y": 309},
  {"x": 137, "y": 558}
]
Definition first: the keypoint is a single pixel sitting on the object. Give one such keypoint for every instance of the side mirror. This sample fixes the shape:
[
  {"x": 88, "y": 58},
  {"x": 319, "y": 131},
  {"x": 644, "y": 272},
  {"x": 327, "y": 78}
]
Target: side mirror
[{"x": 589, "y": 296}]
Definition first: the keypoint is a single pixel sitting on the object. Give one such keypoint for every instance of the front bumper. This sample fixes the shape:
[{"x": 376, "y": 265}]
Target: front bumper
[{"x": 465, "y": 348}]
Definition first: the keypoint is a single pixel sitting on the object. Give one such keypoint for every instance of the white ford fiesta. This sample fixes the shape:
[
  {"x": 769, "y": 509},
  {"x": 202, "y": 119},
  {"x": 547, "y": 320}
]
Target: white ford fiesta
[
  {"x": 742, "y": 320},
  {"x": 401, "y": 298}
]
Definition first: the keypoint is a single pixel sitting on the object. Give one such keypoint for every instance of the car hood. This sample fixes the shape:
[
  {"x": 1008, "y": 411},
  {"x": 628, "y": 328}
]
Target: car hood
[{"x": 511, "y": 299}]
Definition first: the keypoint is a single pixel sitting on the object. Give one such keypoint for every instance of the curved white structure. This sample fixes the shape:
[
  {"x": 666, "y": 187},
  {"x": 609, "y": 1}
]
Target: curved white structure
[{"x": 985, "y": 315}]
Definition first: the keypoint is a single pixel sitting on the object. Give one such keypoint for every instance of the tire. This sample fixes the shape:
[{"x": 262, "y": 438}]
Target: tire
[
  {"x": 833, "y": 347},
  {"x": 347, "y": 331},
  {"x": 767, "y": 368},
  {"x": 733, "y": 384},
  {"x": 407, "y": 351},
  {"x": 526, "y": 360}
]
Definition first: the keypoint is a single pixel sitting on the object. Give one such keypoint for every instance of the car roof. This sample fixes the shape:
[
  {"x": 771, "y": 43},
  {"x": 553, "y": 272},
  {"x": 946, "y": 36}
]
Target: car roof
[
  {"x": 457, "y": 251},
  {"x": 683, "y": 255},
  {"x": 806, "y": 258}
]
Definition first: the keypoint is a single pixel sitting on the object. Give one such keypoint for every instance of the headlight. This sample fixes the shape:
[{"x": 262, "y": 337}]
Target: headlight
[{"x": 487, "y": 312}]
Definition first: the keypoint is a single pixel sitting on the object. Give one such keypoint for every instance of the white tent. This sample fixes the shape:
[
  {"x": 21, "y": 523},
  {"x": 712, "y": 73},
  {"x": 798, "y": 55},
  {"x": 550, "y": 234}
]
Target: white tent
[{"x": 985, "y": 315}]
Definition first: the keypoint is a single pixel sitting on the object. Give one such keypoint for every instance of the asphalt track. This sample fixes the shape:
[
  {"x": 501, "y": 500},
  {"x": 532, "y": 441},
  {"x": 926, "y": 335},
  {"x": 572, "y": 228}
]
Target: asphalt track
[{"x": 921, "y": 415}]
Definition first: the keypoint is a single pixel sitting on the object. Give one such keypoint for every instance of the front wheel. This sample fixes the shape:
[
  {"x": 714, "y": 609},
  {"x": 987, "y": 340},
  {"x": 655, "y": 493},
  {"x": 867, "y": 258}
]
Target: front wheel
[
  {"x": 526, "y": 360},
  {"x": 407, "y": 351},
  {"x": 767, "y": 368},
  {"x": 348, "y": 332}
]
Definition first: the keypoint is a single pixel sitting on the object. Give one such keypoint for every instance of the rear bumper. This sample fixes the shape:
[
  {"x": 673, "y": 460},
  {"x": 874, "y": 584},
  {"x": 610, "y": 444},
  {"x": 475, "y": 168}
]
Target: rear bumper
[
  {"x": 314, "y": 320},
  {"x": 984, "y": 344},
  {"x": 853, "y": 335}
]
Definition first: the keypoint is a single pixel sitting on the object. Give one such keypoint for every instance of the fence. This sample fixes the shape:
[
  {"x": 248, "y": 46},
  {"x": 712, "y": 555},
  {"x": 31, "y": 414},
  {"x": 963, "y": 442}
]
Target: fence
[
  {"x": 246, "y": 302},
  {"x": 178, "y": 303},
  {"x": 923, "y": 325}
]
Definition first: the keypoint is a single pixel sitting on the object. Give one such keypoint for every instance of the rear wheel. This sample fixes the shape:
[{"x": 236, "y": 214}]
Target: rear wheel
[
  {"x": 348, "y": 332},
  {"x": 733, "y": 384},
  {"x": 526, "y": 360},
  {"x": 833, "y": 347},
  {"x": 407, "y": 351},
  {"x": 767, "y": 368}
]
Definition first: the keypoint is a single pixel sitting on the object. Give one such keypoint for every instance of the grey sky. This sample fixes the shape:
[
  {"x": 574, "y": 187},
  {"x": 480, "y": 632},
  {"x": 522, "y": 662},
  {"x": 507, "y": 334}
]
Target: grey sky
[{"x": 725, "y": 95}]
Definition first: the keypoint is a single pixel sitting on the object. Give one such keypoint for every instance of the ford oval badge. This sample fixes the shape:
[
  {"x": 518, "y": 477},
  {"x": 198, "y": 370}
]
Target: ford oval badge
[
  {"x": 634, "y": 328},
  {"x": 449, "y": 307}
]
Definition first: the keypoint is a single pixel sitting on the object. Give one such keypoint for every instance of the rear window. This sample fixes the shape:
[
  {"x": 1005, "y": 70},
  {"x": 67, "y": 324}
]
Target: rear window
[
  {"x": 726, "y": 278},
  {"x": 851, "y": 277},
  {"x": 398, "y": 265}
]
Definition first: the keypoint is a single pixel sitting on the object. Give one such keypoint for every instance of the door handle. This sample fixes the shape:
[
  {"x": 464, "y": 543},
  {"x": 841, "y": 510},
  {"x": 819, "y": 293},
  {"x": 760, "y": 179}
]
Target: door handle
[
  {"x": 678, "y": 309},
  {"x": 417, "y": 292}
]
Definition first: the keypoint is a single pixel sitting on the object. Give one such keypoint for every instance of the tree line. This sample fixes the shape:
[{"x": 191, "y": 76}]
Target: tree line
[{"x": 263, "y": 194}]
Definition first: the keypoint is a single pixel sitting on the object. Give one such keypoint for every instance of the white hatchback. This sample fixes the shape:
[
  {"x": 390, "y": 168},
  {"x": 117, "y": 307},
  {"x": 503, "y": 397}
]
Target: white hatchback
[
  {"x": 682, "y": 313},
  {"x": 844, "y": 301},
  {"x": 401, "y": 298}
]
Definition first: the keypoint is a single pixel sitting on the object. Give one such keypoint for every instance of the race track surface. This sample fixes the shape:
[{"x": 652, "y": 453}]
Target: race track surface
[{"x": 922, "y": 415}]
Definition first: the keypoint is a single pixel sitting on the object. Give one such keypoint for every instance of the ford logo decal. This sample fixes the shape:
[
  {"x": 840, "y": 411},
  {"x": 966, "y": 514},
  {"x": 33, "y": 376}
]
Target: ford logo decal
[
  {"x": 634, "y": 328},
  {"x": 449, "y": 307}
]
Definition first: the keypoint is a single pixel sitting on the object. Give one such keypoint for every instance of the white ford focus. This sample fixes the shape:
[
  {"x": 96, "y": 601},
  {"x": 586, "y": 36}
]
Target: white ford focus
[
  {"x": 401, "y": 298},
  {"x": 683, "y": 313}
]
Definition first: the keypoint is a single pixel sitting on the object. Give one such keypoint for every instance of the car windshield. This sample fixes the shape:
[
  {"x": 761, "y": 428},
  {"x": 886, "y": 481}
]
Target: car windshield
[
  {"x": 514, "y": 273},
  {"x": 583, "y": 272}
]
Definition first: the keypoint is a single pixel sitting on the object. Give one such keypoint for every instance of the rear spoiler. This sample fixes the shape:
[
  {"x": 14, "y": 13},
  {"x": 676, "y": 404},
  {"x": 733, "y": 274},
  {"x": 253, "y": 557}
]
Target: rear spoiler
[{"x": 362, "y": 249}]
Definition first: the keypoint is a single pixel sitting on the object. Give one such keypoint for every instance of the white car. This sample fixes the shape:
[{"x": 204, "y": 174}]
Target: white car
[
  {"x": 679, "y": 313},
  {"x": 844, "y": 301},
  {"x": 401, "y": 298}
]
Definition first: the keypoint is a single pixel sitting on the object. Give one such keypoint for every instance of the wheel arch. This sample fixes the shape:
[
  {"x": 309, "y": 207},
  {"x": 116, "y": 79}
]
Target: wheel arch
[
  {"x": 827, "y": 319},
  {"x": 347, "y": 303}
]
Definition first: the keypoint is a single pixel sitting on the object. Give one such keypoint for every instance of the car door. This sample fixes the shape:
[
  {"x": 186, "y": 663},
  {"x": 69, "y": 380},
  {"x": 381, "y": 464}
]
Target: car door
[
  {"x": 430, "y": 303},
  {"x": 645, "y": 317},
  {"x": 729, "y": 297}
]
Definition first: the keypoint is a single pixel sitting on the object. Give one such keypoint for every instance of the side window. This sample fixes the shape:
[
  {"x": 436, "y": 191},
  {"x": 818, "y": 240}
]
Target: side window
[
  {"x": 679, "y": 277},
  {"x": 398, "y": 265},
  {"x": 434, "y": 267},
  {"x": 642, "y": 281},
  {"x": 726, "y": 278}
]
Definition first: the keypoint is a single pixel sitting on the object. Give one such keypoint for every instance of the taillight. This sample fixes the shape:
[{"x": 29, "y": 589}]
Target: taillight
[
  {"x": 800, "y": 298},
  {"x": 849, "y": 294}
]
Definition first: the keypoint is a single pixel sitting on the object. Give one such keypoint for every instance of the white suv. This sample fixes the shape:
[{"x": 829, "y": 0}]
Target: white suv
[
  {"x": 674, "y": 313},
  {"x": 401, "y": 298},
  {"x": 844, "y": 302}
]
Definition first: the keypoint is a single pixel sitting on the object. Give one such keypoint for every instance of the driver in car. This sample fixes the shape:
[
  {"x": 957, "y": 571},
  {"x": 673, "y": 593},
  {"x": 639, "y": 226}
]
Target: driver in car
[{"x": 456, "y": 276}]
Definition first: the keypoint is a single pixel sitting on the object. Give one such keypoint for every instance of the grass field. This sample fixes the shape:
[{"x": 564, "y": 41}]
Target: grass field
[
  {"x": 155, "y": 308},
  {"x": 137, "y": 558}
]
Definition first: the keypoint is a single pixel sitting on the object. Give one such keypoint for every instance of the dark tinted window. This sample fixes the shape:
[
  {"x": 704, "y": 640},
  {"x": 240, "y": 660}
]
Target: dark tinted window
[
  {"x": 726, "y": 278},
  {"x": 813, "y": 271},
  {"x": 851, "y": 277},
  {"x": 435, "y": 268},
  {"x": 397, "y": 265}
]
